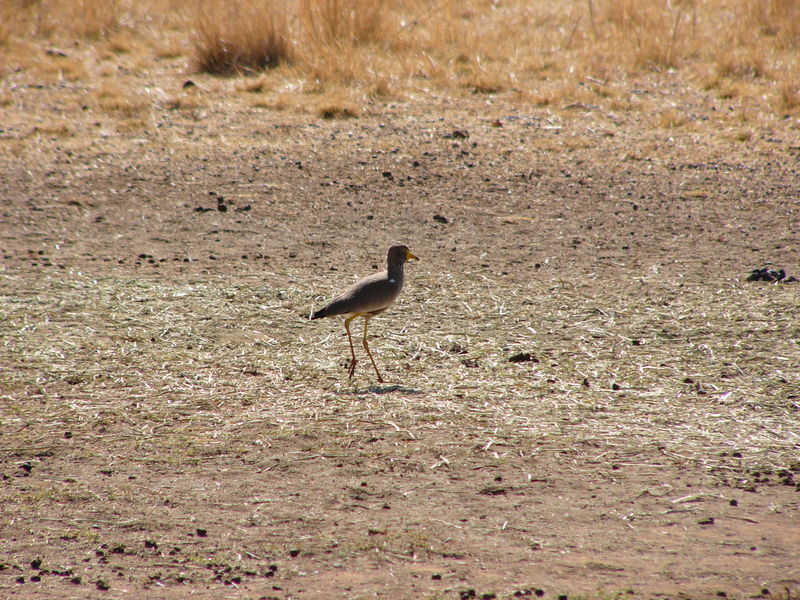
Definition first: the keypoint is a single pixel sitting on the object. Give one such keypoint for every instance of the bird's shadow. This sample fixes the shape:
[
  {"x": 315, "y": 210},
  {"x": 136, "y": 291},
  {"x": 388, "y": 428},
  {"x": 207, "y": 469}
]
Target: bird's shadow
[{"x": 381, "y": 389}]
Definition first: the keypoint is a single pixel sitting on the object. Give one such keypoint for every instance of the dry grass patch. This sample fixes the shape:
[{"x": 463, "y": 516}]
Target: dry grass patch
[
  {"x": 698, "y": 370},
  {"x": 382, "y": 88},
  {"x": 82, "y": 19},
  {"x": 121, "y": 42},
  {"x": 240, "y": 36},
  {"x": 57, "y": 68},
  {"x": 90, "y": 18},
  {"x": 342, "y": 23},
  {"x": 726, "y": 89},
  {"x": 184, "y": 101},
  {"x": 54, "y": 130},
  {"x": 253, "y": 85},
  {"x": 742, "y": 65},
  {"x": 537, "y": 53},
  {"x": 481, "y": 82},
  {"x": 778, "y": 19},
  {"x": 671, "y": 119},
  {"x": 789, "y": 95},
  {"x": 337, "y": 109},
  {"x": 131, "y": 125},
  {"x": 109, "y": 98},
  {"x": 540, "y": 99}
]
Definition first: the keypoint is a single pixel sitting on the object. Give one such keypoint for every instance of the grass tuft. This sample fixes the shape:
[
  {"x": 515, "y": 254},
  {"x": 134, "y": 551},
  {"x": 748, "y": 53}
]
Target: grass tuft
[
  {"x": 342, "y": 23},
  {"x": 239, "y": 36},
  {"x": 110, "y": 98},
  {"x": 789, "y": 95},
  {"x": 337, "y": 110}
]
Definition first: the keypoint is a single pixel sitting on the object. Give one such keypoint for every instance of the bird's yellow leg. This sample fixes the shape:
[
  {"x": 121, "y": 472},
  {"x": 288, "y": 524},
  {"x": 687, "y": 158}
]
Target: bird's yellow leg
[
  {"x": 366, "y": 347},
  {"x": 347, "y": 321}
]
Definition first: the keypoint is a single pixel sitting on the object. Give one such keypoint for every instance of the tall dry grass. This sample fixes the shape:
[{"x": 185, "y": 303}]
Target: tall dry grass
[
  {"x": 342, "y": 23},
  {"x": 77, "y": 19},
  {"x": 240, "y": 36},
  {"x": 536, "y": 50},
  {"x": 648, "y": 35}
]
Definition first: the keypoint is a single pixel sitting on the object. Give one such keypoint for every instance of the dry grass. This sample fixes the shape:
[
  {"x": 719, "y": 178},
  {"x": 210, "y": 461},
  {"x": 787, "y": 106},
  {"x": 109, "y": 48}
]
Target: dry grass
[
  {"x": 83, "y": 19},
  {"x": 111, "y": 99},
  {"x": 240, "y": 36},
  {"x": 789, "y": 95},
  {"x": 671, "y": 119},
  {"x": 341, "y": 23},
  {"x": 337, "y": 110},
  {"x": 531, "y": 52},
  {"x": 701, "y": 371}
]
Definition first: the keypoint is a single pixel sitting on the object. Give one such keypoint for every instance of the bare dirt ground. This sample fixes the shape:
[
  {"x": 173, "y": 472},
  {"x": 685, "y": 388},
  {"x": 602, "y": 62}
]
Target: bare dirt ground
[{"x": 173, "y": 426}]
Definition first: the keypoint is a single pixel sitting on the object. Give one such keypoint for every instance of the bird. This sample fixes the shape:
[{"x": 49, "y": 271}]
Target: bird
[{"x": 368, "y": 297}]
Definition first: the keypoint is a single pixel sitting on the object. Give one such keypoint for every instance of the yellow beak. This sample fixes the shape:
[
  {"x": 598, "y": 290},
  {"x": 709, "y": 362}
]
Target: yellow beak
[{"x": 410, "y": 255}]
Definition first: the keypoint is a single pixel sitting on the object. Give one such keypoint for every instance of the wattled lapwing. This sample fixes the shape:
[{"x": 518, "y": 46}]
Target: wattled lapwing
[{"x": 368, "y": 297}]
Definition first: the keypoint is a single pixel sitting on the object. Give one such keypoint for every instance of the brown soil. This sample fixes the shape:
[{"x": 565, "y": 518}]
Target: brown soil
[{"x": 173, "y": 427}]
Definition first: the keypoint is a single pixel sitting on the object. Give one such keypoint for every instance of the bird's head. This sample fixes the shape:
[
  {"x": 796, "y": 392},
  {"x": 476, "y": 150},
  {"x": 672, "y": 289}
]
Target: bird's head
[{"x": 400, "y": 254}]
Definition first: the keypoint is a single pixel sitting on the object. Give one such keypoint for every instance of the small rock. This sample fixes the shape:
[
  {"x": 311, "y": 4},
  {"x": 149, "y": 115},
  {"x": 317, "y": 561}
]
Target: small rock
[
  {"x": 523, "y": 357},
  {"x": 457, "y": 134},
  {"x": 768, "y": 275},
  {"x": 456, "y": 348}
]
